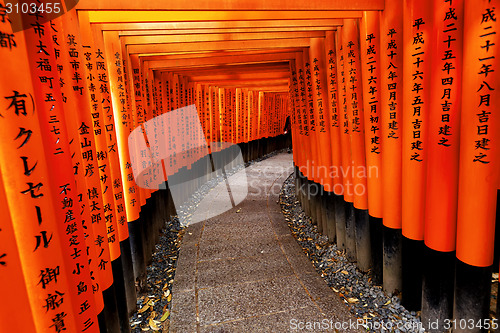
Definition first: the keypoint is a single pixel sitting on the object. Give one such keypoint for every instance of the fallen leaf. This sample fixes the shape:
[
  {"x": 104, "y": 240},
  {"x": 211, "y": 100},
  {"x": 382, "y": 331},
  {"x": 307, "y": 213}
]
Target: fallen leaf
[
  {"x": 153, "y": 325},
  {"x": 352, "y": 300},
  {"x": 239, "y": 210},
  {"x": 388, "y": 302},
  {"x": 152, "y": 315},
  {"x": 345, "y": 272},
  {"x": 165, "y": 316},
  {"x": 143, "y": 309},
  {"x": 169, "y": 298}
]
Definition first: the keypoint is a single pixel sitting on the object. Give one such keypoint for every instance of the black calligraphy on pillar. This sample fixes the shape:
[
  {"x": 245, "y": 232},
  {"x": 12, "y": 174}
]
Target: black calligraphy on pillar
[
  {"x": 302, "y": 99},
  {"x": 392, "y": 51},
  {"x": 319, "y": 97},
  {"x": 332, "y": 87},
  {"x": 353, "y": 80},
  {"x": 345, "y": 122},
  {"x": 418, "y": 91},
  {"x": 372, "y": 78},
  {"x": 448, "y": 69},
  {"x": 310, "y": 105},
  {"x": 486, "y": 87}
]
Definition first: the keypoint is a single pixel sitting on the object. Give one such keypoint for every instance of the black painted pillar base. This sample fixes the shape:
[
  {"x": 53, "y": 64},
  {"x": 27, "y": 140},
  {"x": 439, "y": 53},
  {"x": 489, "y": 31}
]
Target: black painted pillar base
[
  {"x": 472, "y": 295},
  {"x": 340, "y": 220},
  {"x": 363, "y": 243},
  {"x": 329, "y": 208},
  {"x": 108, "y": 319},
  {"x": 128, "y": 275},
  {"x": 120, "y": 294},
  {"x": 392, "y": 260},
  {"x": 324, "y": 219},
  {"x": 376, "y": 242},
  {"x": 304, "y": 187},
  {"x": 437, "y": 289},
  {"x": 171, "y": 210},
  {"x": 413, "y": 251},
  {"x": 311, "y": 199},
  {"x": 350, "y": 232},
  {"x": 137, "y": 252},
  {"x": 155, "y": 218},
  {"x": 148, "y": 230},
  {"x": 297, "y": 183},
  {"x": 319, "y": 213}
]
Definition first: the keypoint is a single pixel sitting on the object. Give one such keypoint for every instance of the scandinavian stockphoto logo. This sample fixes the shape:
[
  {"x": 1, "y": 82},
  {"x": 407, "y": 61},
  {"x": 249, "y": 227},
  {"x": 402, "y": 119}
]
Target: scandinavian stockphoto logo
[{"x": 173, "y": 147}]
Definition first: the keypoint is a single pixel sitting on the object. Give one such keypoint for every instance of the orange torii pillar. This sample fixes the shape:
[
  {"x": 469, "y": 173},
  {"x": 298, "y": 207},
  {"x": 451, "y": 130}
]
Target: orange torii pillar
[
  {"x": 305, "y": 169},
  {"x": 337, "y": 197},
  {"x": 315, "y": 178},
  {"x": 391, "y": 60},
  {"x": 417, "y": 41},
  {"x": 41, "y": 272},
  {"x": 77, "y": 96},
  {"x": 345, "y": 141},
  {"x": 371, "y": 75},
  {"x": 479, "y": 164},
  {"x": 122, "y": 273},
  {"x": 102, "y": 127},
  {"x": 443, "y": 149},
  {"x": 357, "y": 222},
  {"x": 49, "y": 101},
  {"x": 123, "y": 126},
  {"x": 131, "y": 189},
  {"x": 321, "y": 115}
]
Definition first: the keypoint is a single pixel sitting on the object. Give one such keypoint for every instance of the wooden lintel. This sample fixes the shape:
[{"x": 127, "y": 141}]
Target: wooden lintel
[
  {"x": 201, "y": 38},
  {"x": 120, "y": 16},
  {"x": 219, "y": 46},
  {"x": 244, "y": 24},
  {"x": 271, "y": 5}
]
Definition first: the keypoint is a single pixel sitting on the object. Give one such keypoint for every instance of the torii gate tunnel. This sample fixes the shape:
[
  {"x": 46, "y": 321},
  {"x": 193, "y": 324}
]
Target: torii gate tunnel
[{"x": 106, "y": 105}]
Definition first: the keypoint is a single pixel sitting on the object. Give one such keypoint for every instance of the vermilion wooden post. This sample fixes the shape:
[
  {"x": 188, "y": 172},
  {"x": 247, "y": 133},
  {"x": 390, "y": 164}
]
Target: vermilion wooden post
[
  {"x": 115, "y": 219},
  {"x": 443, "y": 149},
  {"x": 345, "y": 142},
  {"x": 12, "y": 282},
  {"x": 391, "y": 60},
  {"x": 359, "y": 221},
  {"x": 50, "y": 103},
  {"x": 321, "y": 114},
  {"x": 371, "y": 76},
  {"x": 297, "y": 128},
  {"x": 315, "y": 177},
  {"x": 20, "y": 266},
  {"x": 138, "y": 115},
  {"x": 334, "y": 115},
  {"x": 304, "y": 168},
  {"x": 125, "y": 189},
  {"x": 335, "y": 211},
  {"x": 417, "y": 41},
  {"x": 77, "y": 97},
  {"x": 479, "y": 164}
]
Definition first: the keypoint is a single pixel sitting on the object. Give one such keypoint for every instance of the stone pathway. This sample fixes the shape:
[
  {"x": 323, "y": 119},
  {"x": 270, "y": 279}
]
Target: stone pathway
[{"x": 242, "y": 271}]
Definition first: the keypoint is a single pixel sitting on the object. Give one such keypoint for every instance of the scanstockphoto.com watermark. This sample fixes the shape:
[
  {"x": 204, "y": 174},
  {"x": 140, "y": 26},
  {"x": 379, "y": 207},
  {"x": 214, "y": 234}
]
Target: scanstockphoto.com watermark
[
  {"x": 347, "y": 187},
  {"x": 347, "y": 325}
]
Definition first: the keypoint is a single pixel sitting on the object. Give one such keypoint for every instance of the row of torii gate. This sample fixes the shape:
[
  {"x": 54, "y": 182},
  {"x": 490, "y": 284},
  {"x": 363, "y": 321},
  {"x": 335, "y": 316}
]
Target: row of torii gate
[{"x": 364, "y": 83}]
